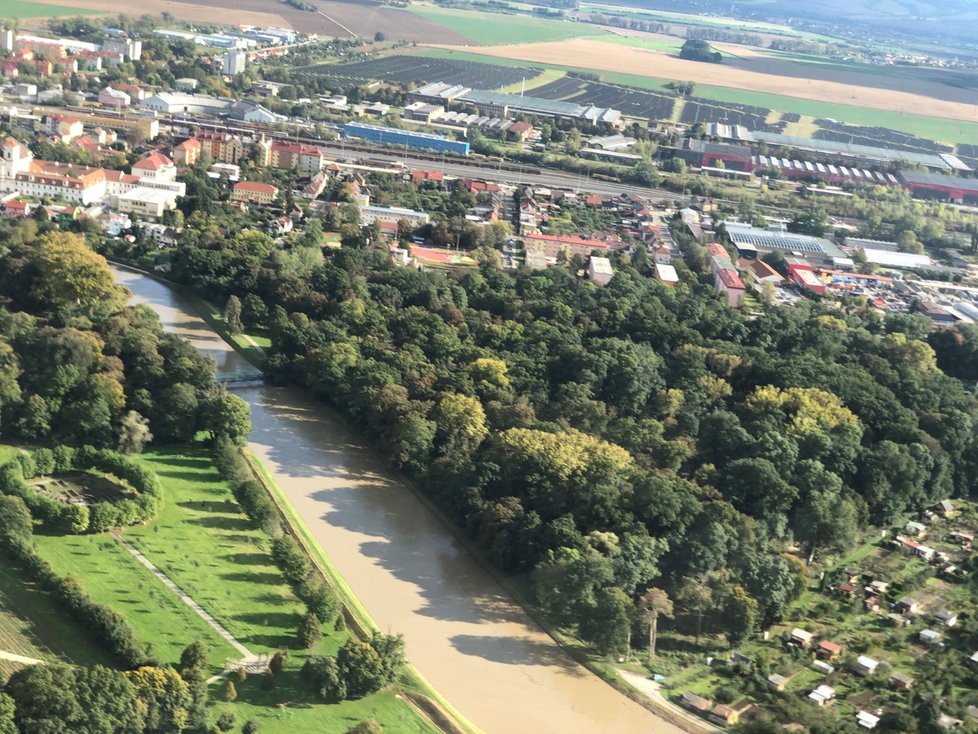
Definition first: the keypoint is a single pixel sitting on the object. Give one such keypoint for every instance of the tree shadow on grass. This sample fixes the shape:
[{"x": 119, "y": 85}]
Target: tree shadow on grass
[
  {"x": 251, "y": 559},
  {"x": 254, "y": 577},
  {"x": 211, "y": 506},
  {"x": 222, "y": 523}
]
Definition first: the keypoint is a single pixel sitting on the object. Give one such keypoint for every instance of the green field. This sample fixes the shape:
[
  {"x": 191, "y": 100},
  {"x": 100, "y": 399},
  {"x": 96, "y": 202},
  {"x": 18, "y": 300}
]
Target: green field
[
  {"x": 30, "y": 625},
  {"x": 114, "y": 577},
  {"x": 19, "y": 9},
  {"x": 489, "y": 29}
]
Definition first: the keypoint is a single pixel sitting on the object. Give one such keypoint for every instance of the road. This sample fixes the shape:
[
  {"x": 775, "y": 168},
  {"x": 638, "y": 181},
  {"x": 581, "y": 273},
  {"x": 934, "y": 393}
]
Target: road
[{"x": 463, "y": 632}]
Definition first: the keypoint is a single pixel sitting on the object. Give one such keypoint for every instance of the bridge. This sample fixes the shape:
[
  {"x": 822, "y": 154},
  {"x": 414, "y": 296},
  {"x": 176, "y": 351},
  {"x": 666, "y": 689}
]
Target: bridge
[{"x": 240, "y": 377}]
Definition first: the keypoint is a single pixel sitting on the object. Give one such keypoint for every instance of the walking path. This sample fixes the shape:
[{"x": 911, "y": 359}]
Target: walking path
[
  {"x": 185, "y": 598},
  {"x": 19, "y": 658},
  {"x": 648, "y": 687}
]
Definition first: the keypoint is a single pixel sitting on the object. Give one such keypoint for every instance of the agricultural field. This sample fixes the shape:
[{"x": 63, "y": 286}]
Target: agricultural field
[
  {"x": 496, "y": 28},
  {"x": 841, "y": 609},
  {"x": 21, "y": 10},
  {"x": 31, "y": 626},
  {"x": 416, "y": 69},
  {"x": 925, "y": 126}
]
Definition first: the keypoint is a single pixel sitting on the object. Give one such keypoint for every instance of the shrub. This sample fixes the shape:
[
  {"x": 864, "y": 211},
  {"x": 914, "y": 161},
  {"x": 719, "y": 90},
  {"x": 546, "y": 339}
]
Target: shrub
[
  {"x": 250, "y": 727},
  {"x": 320, "y": 600},
  {"x": 360, "y": 668},
  {"x": 321, "y": 675},
  {"x": 225, "y": 722},
  {"x": 288, "y": 556},
  {"x": 308, "y": 632}
]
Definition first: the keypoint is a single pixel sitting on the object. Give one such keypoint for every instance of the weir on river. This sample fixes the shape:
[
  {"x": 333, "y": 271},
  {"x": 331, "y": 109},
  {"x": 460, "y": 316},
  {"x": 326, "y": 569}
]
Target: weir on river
[{"x": 463, "y": 632}]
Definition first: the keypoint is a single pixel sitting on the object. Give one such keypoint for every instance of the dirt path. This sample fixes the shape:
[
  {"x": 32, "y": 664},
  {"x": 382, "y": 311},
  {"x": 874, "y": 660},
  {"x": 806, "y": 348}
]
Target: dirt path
[
  {"x": 648, "y": 687},
  {"x": 602, "y": 56},
  {"x": 185, "y": 598},
  {"x": 14, "y": 658}
]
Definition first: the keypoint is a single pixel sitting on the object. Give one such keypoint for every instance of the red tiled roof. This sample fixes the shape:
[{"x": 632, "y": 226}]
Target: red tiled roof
[
  {"x": 153, "y": 162},
  {"x": 832, "y": 647},
  {"x": 256, "y": 187},
  {"x": 520, "y": 127},
  {"x": 188, "y": 144},
  {"x": 731, "y": 279}
]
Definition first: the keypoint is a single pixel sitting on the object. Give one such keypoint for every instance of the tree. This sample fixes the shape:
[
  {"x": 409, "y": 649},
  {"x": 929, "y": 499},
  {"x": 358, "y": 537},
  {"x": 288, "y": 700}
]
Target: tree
[
  {"x": 653, "y": 603},
  {"x": 228, "y": 416},
  {"x": 134, "y": 433},
  {"x": 7, "y": 723},
  {"x": 567, "y": 581},
  {"x": 225, "y": 722},
  {"x": 812, "y": 221},
  {"x": 379, "y": 37},
  {"x": 250, "y": 727},
  {"x": 695, "y": 596},
  {"x": 461, "y": 425},
  {"x": 739, "y": 614},
  {"x": 70, "y": 275},
  {"x": 165, "y": 696},
  {"x": 390, "y": 650},
  {"x": 193, "y": 661},
  {"x": 232, "y": 315},
  {"x": 360, "y": 667},
  {"x": 826, "y": 519},
  {"x": 907, "y": 242},
  {"x": 308, "y": 633},
  {"x": 230, "y": 692},
  {"x": 277, "y": 664},
  {"x": 608, "y": 624},
  {"x": 321, "y": 675}
]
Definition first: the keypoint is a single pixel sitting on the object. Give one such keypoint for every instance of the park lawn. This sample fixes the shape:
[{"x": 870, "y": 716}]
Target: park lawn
[
  {"x": 20, "y": 9},
  {"x": 31, "y": 625},
  {"x": 112, "y": 576},
  {"x": 205, "y": 544},
  {"x": 489, "y": 29},
  {"x": 286, "y": 709}
]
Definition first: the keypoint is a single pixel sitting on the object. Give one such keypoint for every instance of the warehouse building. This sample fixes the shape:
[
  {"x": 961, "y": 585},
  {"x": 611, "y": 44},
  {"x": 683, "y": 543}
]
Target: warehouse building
[
  {"x": 497, "y": 104},
  {"x": 938, "y": 186},
  {"x": 393, "y": 136},
  {"x": 753, "y": 242}
]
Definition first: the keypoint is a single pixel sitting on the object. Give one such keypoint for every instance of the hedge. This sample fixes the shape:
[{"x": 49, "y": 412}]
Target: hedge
[{"x": 78, "y": 518}]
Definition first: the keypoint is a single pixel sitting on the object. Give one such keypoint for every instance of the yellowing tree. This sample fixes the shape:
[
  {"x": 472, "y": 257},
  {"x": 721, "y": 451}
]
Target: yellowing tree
[
  {"x": 70, "y": 274},
  {"x": 807, "y": 409},
  {"x": 461, "y": 425},
  {"x": 563, "y": 454},
  {"x": 489, "y": 375}
]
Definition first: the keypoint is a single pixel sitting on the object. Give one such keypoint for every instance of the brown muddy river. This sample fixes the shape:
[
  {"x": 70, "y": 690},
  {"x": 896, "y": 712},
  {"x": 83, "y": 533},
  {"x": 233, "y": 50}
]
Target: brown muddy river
[{"x": 471, "y": 641}]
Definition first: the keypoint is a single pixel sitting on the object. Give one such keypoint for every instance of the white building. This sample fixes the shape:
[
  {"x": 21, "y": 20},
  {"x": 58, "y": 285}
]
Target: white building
[
  {"x": 110, "y": 97},
  {"x": 599, "y": 270},
  {"x": 6, "y": 39},
  {"x": 145, "y": 202},
  {"x": 195, "y": 104},
  {"x": 234, "y": 62},
  {"x": 391, "y": 215},
  {"x": 128, "y": 47}
]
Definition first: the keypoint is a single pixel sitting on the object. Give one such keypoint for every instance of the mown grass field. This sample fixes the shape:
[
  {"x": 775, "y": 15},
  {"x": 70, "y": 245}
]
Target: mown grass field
[
  {"x": 495, "y": 28},
  {"x": 30, "y": 625},
  {"x": 114, "y": 577},
  {"x": 19, "y": 9}
]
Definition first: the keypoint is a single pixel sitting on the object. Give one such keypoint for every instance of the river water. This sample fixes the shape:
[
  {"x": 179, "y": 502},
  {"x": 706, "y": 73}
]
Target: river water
[{"x": 463, "y": 632}]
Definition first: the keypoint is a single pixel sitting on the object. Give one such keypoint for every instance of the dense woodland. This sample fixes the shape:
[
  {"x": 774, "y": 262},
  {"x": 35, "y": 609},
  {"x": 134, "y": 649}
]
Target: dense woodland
[
  {"x": 606, "y": 441},
  {"x": 79, "y": 366}
]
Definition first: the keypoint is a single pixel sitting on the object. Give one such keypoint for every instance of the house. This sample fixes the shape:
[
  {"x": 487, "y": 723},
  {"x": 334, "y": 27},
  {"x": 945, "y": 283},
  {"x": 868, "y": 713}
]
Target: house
[
  {"x": 898, "y": 620},
  {"x": 520, "y": 130},
  {"x": 760, "y": 272},
  {"x": 871, "y": 603},
  {"x": 963, "y": 539},
  {"x": 254, "y": 192},
  {"x": 724, "y": 715},
  {"x": 944, "y": 508},
  {"x": 16, "y": 209},
  {"x": 188, "y": 152},
  {"x": 906, "y": 605},
  {"x": 946, "y": 617},
  {"x": 801, "y": 638},
  {"x": 877, "y": 587},
  {"x": 740, "y": 660},
  {"x": 865, "y": 666},
  {"x": 846, "y": 590},
  {"x": 822, "y": 667},
  {"x": 729, "y": 284},
  {"x": 823, "y": 695},
  {"x": 599, "y": 270},
  {"x": 777, "y": 682},
  {"x": 828, "y": 650},
  {"x": 929, "y": 637},
  {"x": 866, "y": 720},
  {"x": 917, "y": 529},
  {"x": 662, "y": 255},
  {"x": 666, "y": 274},
  {"x": 901, "y": 681},
  {"x": 696, "y": 703}
]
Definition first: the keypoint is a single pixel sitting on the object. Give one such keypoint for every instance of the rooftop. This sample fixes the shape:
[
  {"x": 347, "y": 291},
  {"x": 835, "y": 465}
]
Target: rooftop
[
  {"x": 256, "y": 187},
  {"x": 921, "y": 178},
  {"x": 763, "y": 239}
]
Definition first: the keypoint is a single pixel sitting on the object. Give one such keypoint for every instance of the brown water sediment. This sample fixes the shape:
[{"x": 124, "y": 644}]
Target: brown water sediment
[{"x": 464, "y": 633}]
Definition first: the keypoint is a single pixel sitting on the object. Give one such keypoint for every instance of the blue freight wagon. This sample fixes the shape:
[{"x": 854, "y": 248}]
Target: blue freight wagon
[{"x": 394, "y": 136}]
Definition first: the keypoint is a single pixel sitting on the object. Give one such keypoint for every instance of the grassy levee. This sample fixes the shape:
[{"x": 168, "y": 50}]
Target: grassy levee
[
  {"x": 414, "y": 686},
  {"x": 22, "y": 10}
]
